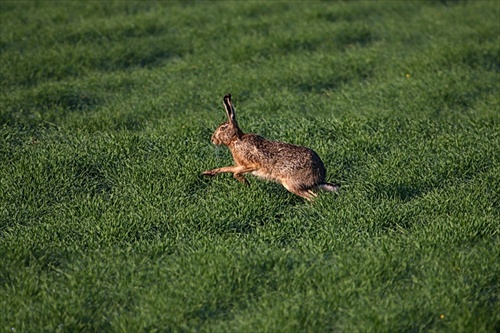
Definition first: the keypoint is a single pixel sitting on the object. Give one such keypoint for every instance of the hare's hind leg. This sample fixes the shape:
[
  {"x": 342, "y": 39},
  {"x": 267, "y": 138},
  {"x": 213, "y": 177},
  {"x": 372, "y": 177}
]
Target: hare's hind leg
[{"x": 309, "y": 195}]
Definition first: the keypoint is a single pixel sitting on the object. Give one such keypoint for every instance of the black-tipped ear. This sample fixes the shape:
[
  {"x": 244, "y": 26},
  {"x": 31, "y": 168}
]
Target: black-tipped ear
[{"x": 231, "y": 116}]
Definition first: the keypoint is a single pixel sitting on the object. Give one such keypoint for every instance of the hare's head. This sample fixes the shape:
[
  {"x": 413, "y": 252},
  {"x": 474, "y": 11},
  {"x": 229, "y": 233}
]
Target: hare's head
[{"x": 228, "y": 131}]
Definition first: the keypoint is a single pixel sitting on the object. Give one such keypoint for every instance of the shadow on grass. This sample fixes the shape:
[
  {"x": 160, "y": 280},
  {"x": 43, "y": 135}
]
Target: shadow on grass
[
  {"x": 339, "y": 73},
  {"x": 402, "y": 192},
  {"x": 50, "y": 103}
]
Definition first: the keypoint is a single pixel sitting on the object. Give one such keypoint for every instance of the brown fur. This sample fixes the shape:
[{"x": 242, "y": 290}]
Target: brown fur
[{"x": 299, "y": 169}]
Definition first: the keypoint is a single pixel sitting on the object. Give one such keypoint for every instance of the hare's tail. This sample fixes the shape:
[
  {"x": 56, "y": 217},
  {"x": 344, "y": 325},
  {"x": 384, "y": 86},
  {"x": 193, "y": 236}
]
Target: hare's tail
[{"x": 329, "y": 187}]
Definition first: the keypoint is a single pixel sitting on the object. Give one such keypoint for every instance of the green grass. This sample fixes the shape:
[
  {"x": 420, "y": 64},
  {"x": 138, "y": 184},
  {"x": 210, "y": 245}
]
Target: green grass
[{"x": 106, "y": 112}]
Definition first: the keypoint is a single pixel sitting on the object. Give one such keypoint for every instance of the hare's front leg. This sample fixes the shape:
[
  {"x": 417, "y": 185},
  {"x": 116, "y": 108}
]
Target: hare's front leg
[
  {"x": 214, "y": 172},
  {"x": 238, "y": 172}
]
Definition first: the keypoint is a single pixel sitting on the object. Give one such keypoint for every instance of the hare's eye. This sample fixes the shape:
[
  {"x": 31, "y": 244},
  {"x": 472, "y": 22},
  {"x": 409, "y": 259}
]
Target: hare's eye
[{"x": 223, "y": 126}]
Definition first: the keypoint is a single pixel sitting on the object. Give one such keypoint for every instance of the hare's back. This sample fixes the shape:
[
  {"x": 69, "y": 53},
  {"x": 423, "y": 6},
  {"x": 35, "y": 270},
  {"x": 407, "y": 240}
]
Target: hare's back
[
  {"x": 299, "y": 159},
  {"x": 280, "y": 160}
]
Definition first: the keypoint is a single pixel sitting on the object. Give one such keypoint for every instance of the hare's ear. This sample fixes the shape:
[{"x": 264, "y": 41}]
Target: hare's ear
[{"x": 231, "y": 116}]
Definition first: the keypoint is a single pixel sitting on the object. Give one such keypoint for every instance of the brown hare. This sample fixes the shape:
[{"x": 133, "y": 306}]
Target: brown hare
[{"x": 298, "y": 169}]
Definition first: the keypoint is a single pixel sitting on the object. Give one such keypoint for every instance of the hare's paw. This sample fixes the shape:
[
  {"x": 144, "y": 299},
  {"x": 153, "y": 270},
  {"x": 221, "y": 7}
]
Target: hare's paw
[
  {"x": 241, "y": 178},
  {"x": 209, "y": 173}
]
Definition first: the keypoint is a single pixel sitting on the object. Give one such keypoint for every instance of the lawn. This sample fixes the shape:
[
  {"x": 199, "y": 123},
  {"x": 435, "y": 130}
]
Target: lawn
[{"x": 106, "y": 113}]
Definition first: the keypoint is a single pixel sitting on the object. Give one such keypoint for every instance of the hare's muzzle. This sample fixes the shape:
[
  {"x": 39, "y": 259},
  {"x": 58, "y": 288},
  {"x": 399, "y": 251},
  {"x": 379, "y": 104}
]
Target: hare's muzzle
[{"x": 215, "y": 141}]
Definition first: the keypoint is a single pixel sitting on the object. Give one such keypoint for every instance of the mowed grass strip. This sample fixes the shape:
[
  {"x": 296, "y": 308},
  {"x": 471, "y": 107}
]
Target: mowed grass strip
[{"x": 106, "y": 112}]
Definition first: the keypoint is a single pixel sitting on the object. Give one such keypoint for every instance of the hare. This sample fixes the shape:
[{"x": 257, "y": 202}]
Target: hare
[{"x": 299, "y": 169}]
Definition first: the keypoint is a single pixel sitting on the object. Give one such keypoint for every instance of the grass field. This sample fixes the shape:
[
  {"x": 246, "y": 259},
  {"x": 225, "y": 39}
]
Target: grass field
[{"x": 106, "y": 113}]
